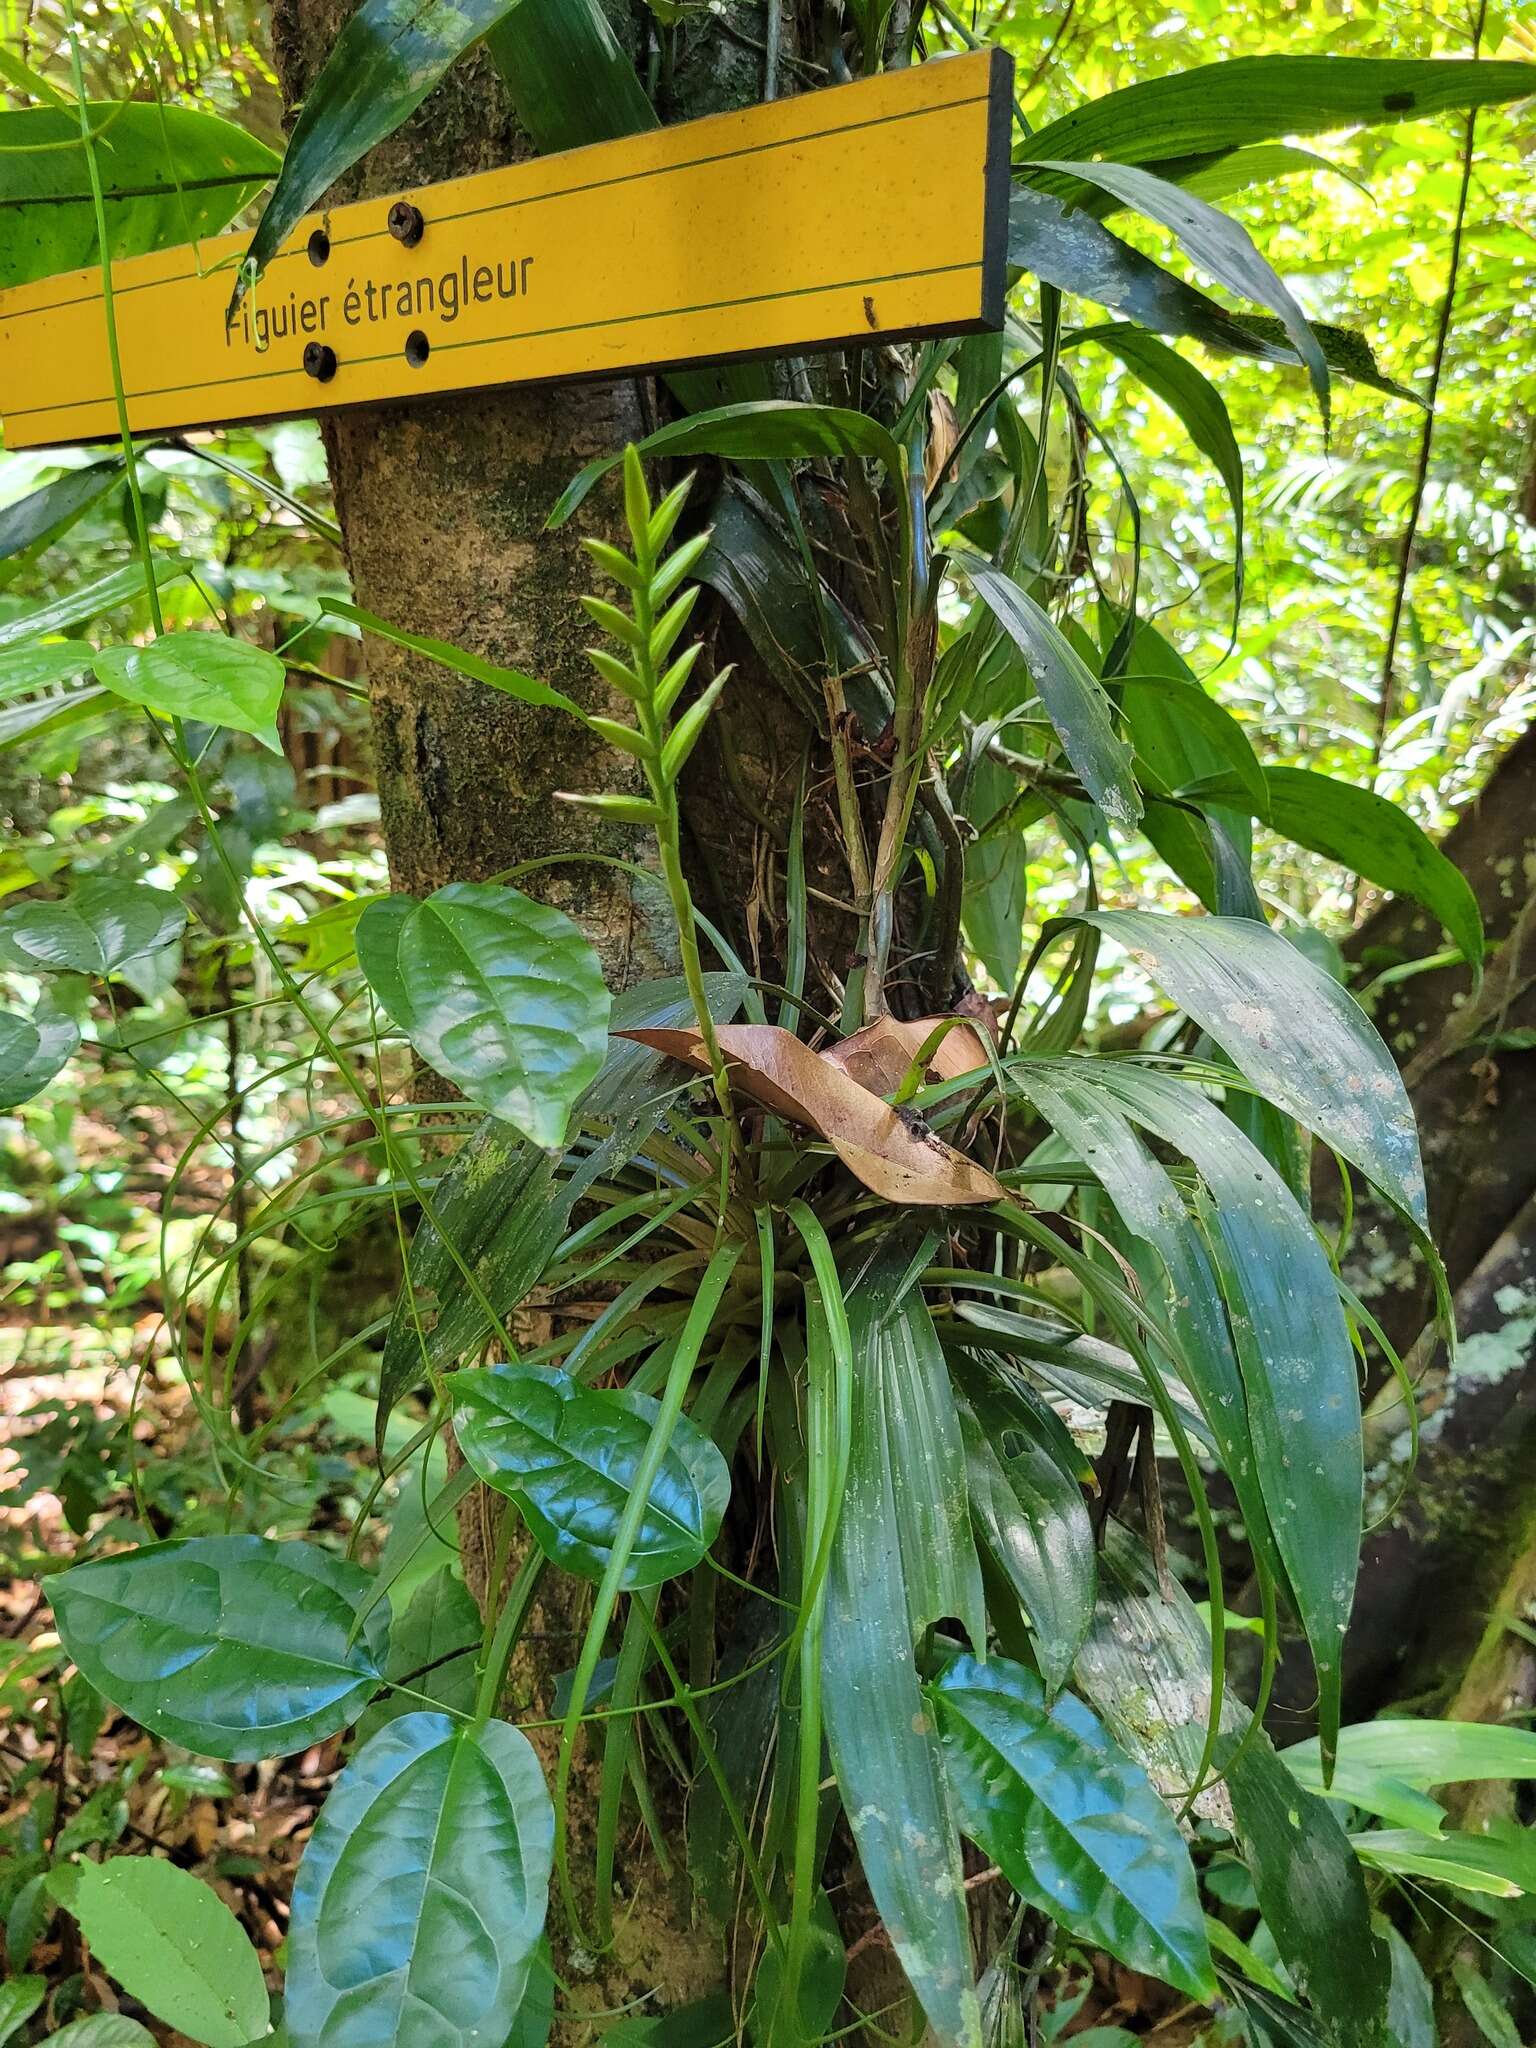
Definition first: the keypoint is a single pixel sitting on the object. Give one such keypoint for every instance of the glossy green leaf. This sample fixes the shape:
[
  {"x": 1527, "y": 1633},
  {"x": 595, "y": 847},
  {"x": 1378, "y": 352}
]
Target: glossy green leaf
[
  {"x": 206, "y": 676},
  {"x": 881, "y": 1592},
  {"x": 771, "y": 2023},
  {"x": 1219, "y": 245},
  {"x": 147, "y": 151},
  {"x": 1029, "y": 1512},
  {"x": 761, "y": 430},
  {"x": 1072, "y": 1823},
  {"x": 419, "y": 1905},
  {"x": 1377, "y": 840},
  {"x": 19, "y": 1999},
  {"x": 1190, "y": 394},
  {"x": 42, "y": 515},
  {"x": 380, "y": 67},
  {"x": 1294, "y": 1033},
  {"x": 102, "y": 2030},
  {"x": 1180, "y": 732},
  {"x": 1259, "y": 99},
  {"x": 510, "y": 682},
  {"x": 87, "y": 601},
  {"x": 171, "y": 1941},
  {"x": 32, "y": 1050},
  {"x": 1499, "y": 1864},
  {"x": 233, "y": 1646},
  {"x": 500, "y": 994},
  {"x": 568, "y": 1454},
  {"x": 1074, "y": 698},
  {"x": 100, "y": 926}
]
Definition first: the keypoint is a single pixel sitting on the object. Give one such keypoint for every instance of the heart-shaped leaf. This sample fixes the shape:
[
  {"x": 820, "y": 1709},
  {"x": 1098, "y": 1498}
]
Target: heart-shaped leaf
[
  {"x": 32, "y": 1050},
  {"x": 206, "y": 676},
  {"x": 233, "y": 1646},
  {"x": 420, "y": 1901},
  {"x": 567, "y": 1455},
  {"x": 500, "y": 994},
  {"x": 893, "y": 1153},
  {"x": 1073, "y": 1824},
  {"x": 171, "y": 1941},
  {"x": 94, "y": 930}
]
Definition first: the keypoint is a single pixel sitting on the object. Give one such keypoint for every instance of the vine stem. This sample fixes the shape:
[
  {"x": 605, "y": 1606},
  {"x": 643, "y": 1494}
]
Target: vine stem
[{"x": 1427, "y": 434}]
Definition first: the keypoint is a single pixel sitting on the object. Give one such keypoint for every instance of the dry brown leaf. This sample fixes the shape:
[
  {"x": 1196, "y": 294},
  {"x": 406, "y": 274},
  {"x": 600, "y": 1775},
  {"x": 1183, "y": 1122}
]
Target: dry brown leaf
[
  {"x": 878, "y": 1056},
  {"x": 892, "y": 1152}
]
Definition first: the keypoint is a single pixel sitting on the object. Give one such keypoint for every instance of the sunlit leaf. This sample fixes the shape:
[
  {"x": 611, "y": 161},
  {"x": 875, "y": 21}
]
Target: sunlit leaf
[
  {"x": 100, "y": 926},
  {"x": 420, "y": 1902},
  {"x": 233, "y": 1646},
  {"x": 42, "y": 515},
  {"x": 500, "y": 994},
  {"x": 205, "y": 676},
  {"x": 1305, "y": 1043},
  {"x": 32, "y": 1050},
  {"x": 1073, "y": 696},
  {"x": 171, "y": 1941},
  {"x": 568, "y": 1455},
  {"x": 169, "y": 174}
]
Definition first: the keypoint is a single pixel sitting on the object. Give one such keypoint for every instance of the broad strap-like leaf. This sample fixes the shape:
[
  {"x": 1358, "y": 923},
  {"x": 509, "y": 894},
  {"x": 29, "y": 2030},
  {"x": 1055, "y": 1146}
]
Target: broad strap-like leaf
[
  {"x": 499, "y": 993},
  {"x": 1221, "y": 247},
  {"x": 1290, "y": 1030},
  {"x": 880, "y": 1732},
  {"x": 386, "y": 59},
  {"x": 511, "y": 682},
  {"x": 86, "y": 601},
  {"x": 1374, "y": 838},
  {"x": 1025, "y": 1482},
  {"x": 169, "y": 174},
  {"x": 1072, "y": 1823},
  {"x": 1298, "y": 1365},
  {"x": 419, "y": 1905},
  {"x": 1190, "y": 394},
  {"x": 568, "y": 1456},
  {"x": 233, "y": 1646},
  {"x": 100, "y": 926},
  {"x": 1214, "y": 107},
  {"x": 1075, "y": 700},
  {"x": 759, "y": 430},
  {"x": 44, "y": 514},
  {"x": 171, "y": 1942},
  {"x": 205, "y": 676}
]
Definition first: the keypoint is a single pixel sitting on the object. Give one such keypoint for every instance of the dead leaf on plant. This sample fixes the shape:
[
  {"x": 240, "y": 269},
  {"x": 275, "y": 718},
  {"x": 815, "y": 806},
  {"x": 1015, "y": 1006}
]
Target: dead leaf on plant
[
  {"x": 879, "y": 1056},
  {"x": 891, "y": 1151}
]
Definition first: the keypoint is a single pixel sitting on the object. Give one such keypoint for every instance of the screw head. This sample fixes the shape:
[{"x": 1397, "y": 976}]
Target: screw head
[
  {"x": 417, "y": 348},
  {"x": 319, "y": 361},
  {"x": 319, "y": 246},
  {"x": 406, "y": 223}
]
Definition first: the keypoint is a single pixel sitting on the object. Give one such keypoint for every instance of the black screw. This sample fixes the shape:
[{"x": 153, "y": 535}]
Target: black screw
[
  {"x": 319, "y": 361},
  {"x": 417, "y": 348},
  {"x": 319, "y": 247},
  {"x": 406, "y": 223}
]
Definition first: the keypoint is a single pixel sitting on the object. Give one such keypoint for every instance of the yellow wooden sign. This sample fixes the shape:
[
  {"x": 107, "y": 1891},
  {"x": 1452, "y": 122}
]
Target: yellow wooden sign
[{"x": 863, "y": 212}]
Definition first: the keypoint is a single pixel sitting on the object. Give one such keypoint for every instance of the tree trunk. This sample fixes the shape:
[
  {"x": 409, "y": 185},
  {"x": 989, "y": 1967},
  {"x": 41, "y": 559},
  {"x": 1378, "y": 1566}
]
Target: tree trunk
[{"x": 442, "y": 505}]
